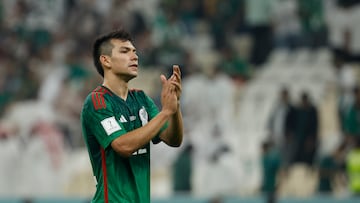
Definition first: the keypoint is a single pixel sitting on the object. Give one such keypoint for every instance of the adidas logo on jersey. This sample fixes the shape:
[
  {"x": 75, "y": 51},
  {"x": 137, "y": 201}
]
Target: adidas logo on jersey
[{"x": 122, "y": 119}]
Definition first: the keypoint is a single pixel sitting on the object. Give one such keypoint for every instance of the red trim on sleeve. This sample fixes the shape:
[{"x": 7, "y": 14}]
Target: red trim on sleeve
[
  {"x": 98, "y": 100},
  {"x": 103, "y": 163},
  {"x": 93, "y": 98}
]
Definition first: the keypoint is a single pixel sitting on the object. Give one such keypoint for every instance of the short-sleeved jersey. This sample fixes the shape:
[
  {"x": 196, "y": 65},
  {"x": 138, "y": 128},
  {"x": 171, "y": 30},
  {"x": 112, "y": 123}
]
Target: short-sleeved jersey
[{"x": 104, "y": 117}]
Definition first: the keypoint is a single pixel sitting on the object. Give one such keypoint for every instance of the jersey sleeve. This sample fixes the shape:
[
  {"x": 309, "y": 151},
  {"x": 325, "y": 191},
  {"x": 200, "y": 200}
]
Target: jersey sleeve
[
  {"x": 102, "y": 123},
  {"x": 153, "y": 111}
]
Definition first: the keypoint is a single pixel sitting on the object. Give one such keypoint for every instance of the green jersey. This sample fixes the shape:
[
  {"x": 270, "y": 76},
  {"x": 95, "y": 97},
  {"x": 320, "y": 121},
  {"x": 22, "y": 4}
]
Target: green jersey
[{"x": 104, "y": 117}]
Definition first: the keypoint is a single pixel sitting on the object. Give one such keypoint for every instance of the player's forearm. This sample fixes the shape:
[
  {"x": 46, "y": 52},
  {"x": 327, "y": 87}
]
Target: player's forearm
[
  {"x": 173, "y": 135},
  {"x": 128, "y": 143}
]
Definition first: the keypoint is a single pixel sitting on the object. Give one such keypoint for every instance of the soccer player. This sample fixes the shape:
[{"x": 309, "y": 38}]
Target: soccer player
[{"x": 118, "y": 123}]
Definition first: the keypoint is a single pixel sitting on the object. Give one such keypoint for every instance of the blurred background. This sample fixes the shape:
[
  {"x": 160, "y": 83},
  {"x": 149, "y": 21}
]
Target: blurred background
[{"x": 271, "y": 99}]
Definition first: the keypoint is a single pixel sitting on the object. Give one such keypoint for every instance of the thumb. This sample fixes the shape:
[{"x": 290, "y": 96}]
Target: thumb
[{"x": 163, "y": 78}]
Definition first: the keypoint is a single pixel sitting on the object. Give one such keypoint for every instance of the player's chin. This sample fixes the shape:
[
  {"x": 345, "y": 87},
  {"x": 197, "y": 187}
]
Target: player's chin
[
  {"x": 129, "y": 77},
  {"x": 133, "y": 74}
]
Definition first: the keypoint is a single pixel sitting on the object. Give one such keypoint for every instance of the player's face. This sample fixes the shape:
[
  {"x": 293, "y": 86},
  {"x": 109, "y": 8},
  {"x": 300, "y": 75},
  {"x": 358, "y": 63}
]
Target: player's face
[{"x": 124, "y": 60}]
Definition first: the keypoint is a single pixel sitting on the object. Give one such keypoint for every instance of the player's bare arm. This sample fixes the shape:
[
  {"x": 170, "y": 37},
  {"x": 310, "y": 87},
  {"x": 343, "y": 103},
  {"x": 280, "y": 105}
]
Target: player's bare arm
[{"x": 128, "y": 143}]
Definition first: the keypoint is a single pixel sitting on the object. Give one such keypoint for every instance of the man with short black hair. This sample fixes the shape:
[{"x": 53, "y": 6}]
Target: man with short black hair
[{"x": 118, "y": 123}]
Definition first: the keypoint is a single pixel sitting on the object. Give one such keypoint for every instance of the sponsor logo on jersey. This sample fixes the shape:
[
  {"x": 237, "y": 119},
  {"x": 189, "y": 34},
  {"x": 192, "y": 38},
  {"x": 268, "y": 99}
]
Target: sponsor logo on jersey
[
  {"x": 132, "y": 118},
  {"x": 143, "y": 116},
  {"x": 110, "y": 125},
  {"x": 142, "y": 151}
]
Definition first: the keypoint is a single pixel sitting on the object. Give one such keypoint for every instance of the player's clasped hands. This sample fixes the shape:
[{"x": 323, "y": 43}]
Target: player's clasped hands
[{"x": 171, "y": 90}]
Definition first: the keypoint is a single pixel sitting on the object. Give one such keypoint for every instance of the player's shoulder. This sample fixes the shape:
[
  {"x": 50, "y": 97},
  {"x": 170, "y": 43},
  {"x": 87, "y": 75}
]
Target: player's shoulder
[{"x": 97, "y": 98}]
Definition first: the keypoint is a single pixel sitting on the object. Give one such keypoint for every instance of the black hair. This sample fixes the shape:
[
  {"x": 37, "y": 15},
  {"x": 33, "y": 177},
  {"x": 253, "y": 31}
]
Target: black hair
[{"x": 102, "y": 45}]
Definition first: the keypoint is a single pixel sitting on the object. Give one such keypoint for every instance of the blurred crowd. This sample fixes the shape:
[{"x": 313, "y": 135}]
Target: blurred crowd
[{"x": 221, "y": 46}]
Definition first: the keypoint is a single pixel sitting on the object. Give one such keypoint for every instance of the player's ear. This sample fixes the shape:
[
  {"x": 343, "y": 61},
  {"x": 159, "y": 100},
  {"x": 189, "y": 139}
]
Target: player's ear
[{"x": 105, "y": 60}]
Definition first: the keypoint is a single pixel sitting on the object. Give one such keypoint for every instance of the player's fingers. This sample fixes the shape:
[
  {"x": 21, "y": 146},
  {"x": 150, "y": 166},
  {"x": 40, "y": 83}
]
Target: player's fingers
[
  {"x": 168, "y": 88},
  {"x": 176, "y": 85},
  {"x": 176, "y": 69},
  {"x": 177, "y": 76}
]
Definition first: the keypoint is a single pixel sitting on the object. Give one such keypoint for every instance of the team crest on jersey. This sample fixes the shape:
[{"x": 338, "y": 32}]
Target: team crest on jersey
[{"x": 143, "y": 116}]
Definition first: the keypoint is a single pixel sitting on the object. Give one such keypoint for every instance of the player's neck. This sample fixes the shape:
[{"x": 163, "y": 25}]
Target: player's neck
[{"x": 118, "y": 87}]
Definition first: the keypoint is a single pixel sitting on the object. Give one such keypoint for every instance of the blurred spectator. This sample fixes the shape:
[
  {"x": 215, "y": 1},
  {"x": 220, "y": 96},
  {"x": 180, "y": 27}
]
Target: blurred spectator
[
  {"x": 44, "y": 146},
  {"x": 206, "y": 120},
  {"x": 344, "y": 31},
  {"x": 189, "y": 12},
  {"x": 9, "y": 84},
  {"x": 214, "y": 182},
  {"x": 130, "y": 16},
  {"x": 220, "y": 94},
  {"x": 168, "y": 53},
  {"x": 167, "y": 26},
  {"x": 233, "y": 65},
  {"x": 182, "y": 171},
  {"x": 286, "y": 22},
  {"x": 200, "y": 48},
  {"x": 225, "y": 18},
  {"x": 352, "y": 118},
  {"x": 330, "y": 167},
  {"x": 282, "y": 126},
  {"x": 9, "y": 152},
  {"x": 346, "y": 82},
  {"x": 51, "y": 74},
  {"x": 306, "y": 131},
  {"x": 353, "y": 168},
  {"x": 314, "y": 32},
  {"x": 39, "y": 147},
  {"x": 66, "y": 107},
  {"x": 53, "y": 141},
  {"x": 271, "y": 163},
  {"x": 258, "y": 16}
]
